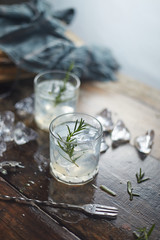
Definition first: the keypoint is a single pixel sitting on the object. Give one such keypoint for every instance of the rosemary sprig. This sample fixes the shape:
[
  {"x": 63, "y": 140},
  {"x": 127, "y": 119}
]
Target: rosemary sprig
[
  {"x": 140, "y": 177},
  {"x": 143, "y": 234},
  {"x": 70, "y": 142},
  {"x": 62, "y": 89},
  {"x": 130, "y": 191}
]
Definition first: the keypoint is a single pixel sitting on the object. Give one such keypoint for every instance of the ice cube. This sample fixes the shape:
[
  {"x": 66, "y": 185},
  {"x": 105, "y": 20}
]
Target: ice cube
[
  {"x": 41, "y": 160},
  {"x": 104, "y": 147},
  {"x": 120, "y": 134},
  {"x": 144, "y": 143},
  {"x": 87, "y": 135},
  {"x": 3, "y": 147},
  {"x": 7, "y": 119},
  {"x": 23, "y": 134},
  {"x": 25, "y": 106},
  {"x": 105, "y": 118}
]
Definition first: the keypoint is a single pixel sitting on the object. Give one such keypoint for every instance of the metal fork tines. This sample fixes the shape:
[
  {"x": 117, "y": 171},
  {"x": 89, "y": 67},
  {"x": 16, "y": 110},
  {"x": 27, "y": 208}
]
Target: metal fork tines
[
  {"x": 91, "y": 209},
  {"x": 102, "y": 210}
]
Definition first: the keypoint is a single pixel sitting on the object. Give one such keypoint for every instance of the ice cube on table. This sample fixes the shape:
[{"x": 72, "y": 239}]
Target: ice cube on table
[
  {"x": 23, "y": 134},
  {"x": 3, "y": 147},
  {"x": 25, "y": 106},
  {"x": 105, "y": 118},
  {"x": 41, "y": 160},
  {"x": 104, "y": 147},
  {"x": 7, "y": 119},
  {"x": 144, "y": 143},
  {"x": 120, "y": 134}
]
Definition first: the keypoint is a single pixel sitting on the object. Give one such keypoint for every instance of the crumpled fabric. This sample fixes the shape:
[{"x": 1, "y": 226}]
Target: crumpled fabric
[{"x": 32, "y": 34}]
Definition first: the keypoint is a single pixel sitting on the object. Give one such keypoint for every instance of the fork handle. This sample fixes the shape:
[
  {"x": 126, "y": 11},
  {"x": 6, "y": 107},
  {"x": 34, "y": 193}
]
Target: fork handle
[{"x": 32, "y": 202}]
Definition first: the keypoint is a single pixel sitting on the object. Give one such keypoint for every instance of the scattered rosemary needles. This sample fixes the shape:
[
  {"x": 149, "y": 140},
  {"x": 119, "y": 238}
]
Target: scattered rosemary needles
[
  {"x": 70, "y": 142},
  {"x": 140, "y": 177},
  {"x": 130, "y": 191},
  {"x": 62, "y": 89},
  {"x": 143, "y": 234}
]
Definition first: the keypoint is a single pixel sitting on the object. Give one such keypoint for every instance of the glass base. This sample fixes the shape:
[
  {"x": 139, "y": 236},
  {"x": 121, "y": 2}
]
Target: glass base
[{"x": 73, "y": 180}]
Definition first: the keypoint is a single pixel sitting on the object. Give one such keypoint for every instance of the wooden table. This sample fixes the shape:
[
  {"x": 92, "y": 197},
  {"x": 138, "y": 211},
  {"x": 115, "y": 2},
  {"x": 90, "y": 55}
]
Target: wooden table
[{"x": 139, "y": 107}]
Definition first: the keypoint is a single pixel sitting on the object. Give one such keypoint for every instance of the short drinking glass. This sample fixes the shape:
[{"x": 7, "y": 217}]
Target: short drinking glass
[
  {"x": 56, "y": 92},
  {"x": 75, "y": 140}
]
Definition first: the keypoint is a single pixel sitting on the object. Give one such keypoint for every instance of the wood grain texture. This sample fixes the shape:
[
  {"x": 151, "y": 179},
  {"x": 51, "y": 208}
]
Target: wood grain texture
[
  {"x": 27, "y": 222},
  {"x": 138, "y": 113},
  {"x": 117, "y": 166}
]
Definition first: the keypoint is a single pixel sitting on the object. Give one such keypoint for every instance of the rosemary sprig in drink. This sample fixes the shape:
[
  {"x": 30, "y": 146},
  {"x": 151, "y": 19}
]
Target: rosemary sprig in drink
[
  {"x": 62, "y": 89},
  {"x": 140, "y": 177},
  {"x": 70, "y": 142}
]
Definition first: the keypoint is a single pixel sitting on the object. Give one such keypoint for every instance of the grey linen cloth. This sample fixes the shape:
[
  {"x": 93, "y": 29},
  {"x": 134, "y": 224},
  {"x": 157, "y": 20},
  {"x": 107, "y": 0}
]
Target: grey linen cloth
[{"x": 32, "y": 34}]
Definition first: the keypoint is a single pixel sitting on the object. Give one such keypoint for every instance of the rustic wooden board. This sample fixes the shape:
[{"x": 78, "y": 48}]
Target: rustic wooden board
[
  {"x": 27, "y": 222},
  {"x": 138, "y": 116},
  {"x": 117, "y": 166}
]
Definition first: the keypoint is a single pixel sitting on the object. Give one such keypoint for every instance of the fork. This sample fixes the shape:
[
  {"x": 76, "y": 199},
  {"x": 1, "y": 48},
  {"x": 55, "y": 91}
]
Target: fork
[{"x": 90, "y": 209}]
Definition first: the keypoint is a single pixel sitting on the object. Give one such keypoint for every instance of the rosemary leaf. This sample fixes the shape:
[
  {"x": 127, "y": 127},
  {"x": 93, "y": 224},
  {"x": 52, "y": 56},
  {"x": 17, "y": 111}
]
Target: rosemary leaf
[
  {"x": 107, "y": 190},
  {"x": 140, "y": 176},
  {"x": 150, "y": 230},
  {"x": 142, "y": 234},
  {"x": 130, "y": 191}
]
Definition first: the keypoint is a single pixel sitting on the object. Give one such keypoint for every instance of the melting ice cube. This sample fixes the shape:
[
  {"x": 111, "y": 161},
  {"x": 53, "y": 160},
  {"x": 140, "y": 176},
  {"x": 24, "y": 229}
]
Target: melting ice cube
[
  {"x": 25, "y": 106},
  {"x": 120, "y": 134},
  {"x": 23, "y": 134},
  {"x": 7, "y": 119},
  {"x": 105, "y": 119},
  {"x": 41, "y": 160},
  {"x": 3, "y": 147},
  {"x": 104, "y": 147},
  {"x": 144, "y": 143}
]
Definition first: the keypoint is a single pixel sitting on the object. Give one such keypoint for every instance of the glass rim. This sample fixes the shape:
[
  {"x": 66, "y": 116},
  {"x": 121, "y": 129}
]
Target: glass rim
[
  {"x": 74, "y": 113},
  {"x": 58, "y": 71}
]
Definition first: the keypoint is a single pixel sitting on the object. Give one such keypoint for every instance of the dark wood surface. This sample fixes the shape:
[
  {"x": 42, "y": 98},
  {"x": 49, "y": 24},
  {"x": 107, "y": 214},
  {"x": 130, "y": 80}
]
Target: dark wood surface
[{"x": 117, "y": 166}]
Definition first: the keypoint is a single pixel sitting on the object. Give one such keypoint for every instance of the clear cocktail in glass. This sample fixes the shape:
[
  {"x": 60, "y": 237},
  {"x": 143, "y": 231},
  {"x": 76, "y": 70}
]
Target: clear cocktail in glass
[
  {"x": 56, "y": 92},
  {"x": 75, "y": 140}
]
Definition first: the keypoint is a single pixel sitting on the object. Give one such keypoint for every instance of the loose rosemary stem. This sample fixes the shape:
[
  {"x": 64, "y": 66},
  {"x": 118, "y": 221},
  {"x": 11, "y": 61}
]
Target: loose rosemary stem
[
  {"x": 140, "y": 177},
  {"x": 130, "y": 191},
  {"x": 107, "y": 190}
]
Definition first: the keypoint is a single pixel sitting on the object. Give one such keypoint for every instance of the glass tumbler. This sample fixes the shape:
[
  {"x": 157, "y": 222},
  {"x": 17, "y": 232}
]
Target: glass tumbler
[
  {"x": 75, "y": 140},
  {"x": 56, "y": 92}
]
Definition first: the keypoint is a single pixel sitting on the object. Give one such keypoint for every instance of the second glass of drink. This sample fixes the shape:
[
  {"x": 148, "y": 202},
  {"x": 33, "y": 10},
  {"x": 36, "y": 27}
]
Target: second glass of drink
[{"x": 56, "y": 92}]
